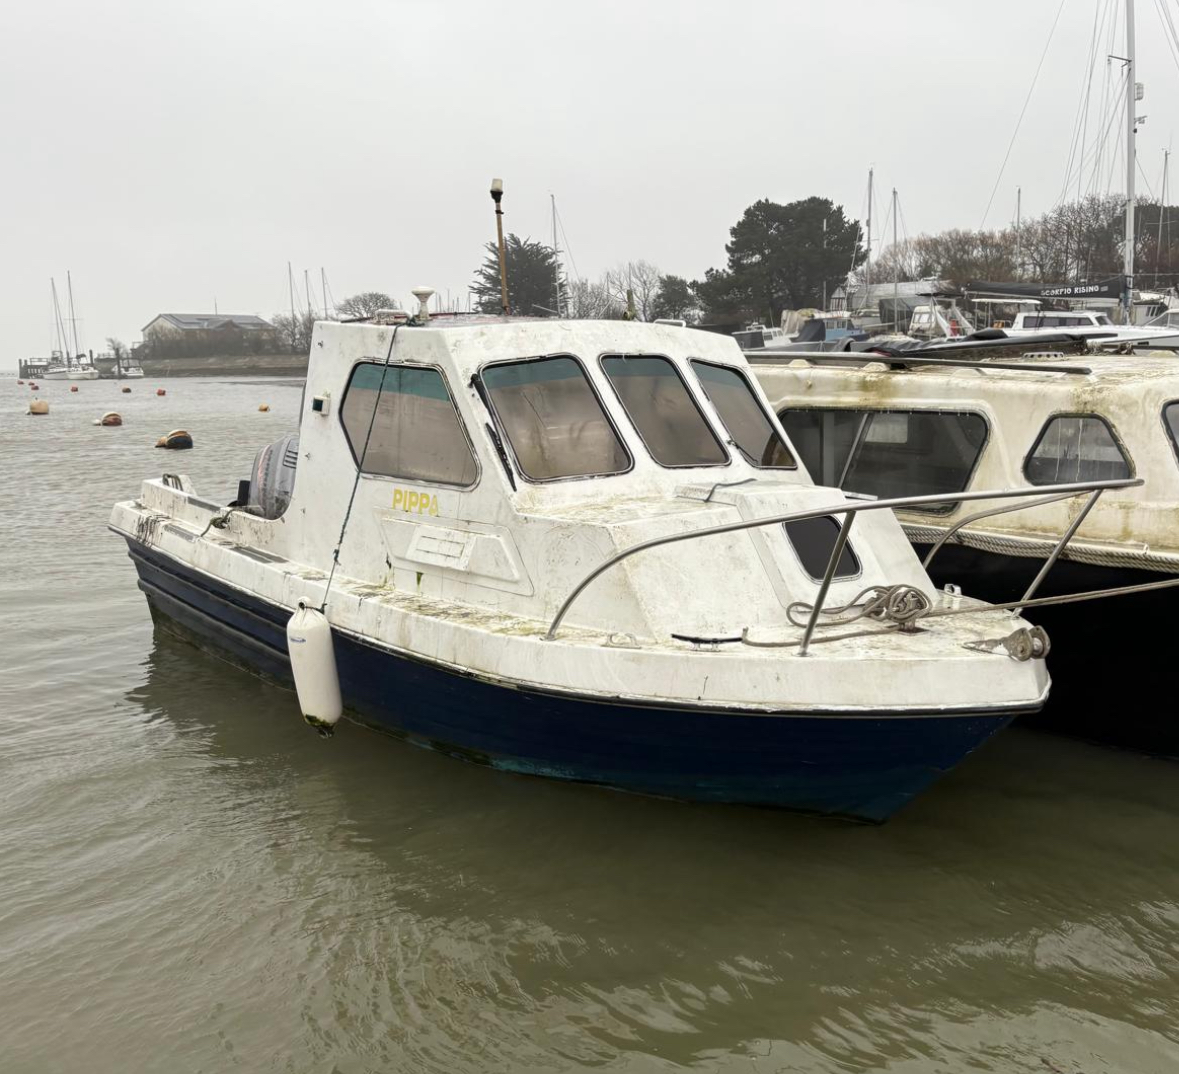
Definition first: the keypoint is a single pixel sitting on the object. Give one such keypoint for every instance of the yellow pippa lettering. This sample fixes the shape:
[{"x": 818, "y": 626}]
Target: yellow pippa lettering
[{"x": 422, "y": 502}]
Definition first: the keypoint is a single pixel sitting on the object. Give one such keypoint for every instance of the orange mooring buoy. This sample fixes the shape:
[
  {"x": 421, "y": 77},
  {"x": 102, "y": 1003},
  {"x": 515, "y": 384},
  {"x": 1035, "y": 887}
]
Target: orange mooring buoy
[
  {"x": 35, "y": 387},
  {"x": 20, "y": 382},
  {"x": 126, "y": 391},
  {"x": 73, "y": 387},
  {"x": 263, "y": 407},
  {"x": 160, "y": 391}
]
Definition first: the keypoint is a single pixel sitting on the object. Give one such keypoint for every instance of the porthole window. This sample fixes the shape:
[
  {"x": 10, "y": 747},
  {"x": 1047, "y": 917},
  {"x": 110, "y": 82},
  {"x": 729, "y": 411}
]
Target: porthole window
[
  {"x": 1073, "y": 448},
  {"x": 813, "y": 540},
  {"x": 1171, "y": 421}
]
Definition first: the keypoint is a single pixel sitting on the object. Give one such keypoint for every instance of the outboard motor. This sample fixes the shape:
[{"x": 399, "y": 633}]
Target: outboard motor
[{"x": 272, "y": 477}]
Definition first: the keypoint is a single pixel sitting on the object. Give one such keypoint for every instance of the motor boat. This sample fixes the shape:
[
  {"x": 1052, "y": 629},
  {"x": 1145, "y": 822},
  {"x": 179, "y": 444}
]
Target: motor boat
[
  {"x": 948, "y": 420},
  {"x": 586, "y": 551}
]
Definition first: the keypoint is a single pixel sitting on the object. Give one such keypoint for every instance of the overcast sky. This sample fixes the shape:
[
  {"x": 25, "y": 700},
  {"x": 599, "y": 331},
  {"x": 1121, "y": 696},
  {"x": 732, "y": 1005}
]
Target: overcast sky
[{"x": 172, "y": 154}]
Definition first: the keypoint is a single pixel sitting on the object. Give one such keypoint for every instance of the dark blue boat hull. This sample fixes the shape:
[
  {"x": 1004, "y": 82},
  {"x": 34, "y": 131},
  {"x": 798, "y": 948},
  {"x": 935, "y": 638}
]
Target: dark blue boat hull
[
  {"x": 861, "y": 768},
  {"x": 1110, "y": 659}
]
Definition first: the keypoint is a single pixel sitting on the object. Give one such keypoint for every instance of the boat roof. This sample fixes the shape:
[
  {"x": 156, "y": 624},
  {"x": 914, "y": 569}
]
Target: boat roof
[
  {"x": 469, "y": 342},
  {"x": 1097, "y": 369}
]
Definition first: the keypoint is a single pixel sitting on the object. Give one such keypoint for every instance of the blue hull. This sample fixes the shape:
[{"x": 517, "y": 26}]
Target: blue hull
[{"x": 861, "y": 768}]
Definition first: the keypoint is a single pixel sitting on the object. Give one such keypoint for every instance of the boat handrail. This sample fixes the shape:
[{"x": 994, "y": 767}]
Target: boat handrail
[{"x": 849, "y": 509}]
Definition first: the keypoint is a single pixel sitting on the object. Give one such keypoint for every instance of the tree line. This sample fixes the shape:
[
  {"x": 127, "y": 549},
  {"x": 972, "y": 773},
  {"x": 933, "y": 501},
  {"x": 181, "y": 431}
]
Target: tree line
[
  {"x": 1075, "y": 242},
  {"x": 795, "y": 255},
  {"x": 779, "y": 256}
]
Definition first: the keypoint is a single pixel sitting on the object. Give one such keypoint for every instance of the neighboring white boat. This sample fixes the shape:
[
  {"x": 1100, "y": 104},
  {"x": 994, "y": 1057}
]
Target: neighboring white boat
[
  {"x": 129, "y": 372},
  {"x": 584, "y": 550},
  {"x": 943, "y": 421},
  {"x": 64, "y": 365},
  {"x": 1092, "y": 324},
  {"x": 76, "y": 369}
]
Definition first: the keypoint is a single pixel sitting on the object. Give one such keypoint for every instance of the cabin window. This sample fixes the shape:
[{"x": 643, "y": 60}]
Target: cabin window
[
  {"x": 1171, "y": 420},
  {"x": 746, "y": 420},
  {"x": 662, "y": 410},
  {"x": 1076, "y": 447},
  {"x": 554, "y": 420},
  {"x": 417, "y": 433},
  {"x": 889, "y": 453},
  {"x": 813, "y": 541}
]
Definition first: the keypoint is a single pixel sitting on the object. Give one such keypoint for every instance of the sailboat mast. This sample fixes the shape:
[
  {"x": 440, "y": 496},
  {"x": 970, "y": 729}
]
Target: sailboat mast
[
  {"x": 868, "y": 258},
  {"x": 1131, "y": 160},
  {"x": 323, "y": 287},
  {"x": 294, "y": 323},
  {"x": 896, "y": 268},
  {"x": 1018, "y": 221},
  {"x": 73, "y": 316},
  {"x": 1158, "y": 243},
  {"x": 556, "y": 259},
  {"x": 59, "y": 327}
]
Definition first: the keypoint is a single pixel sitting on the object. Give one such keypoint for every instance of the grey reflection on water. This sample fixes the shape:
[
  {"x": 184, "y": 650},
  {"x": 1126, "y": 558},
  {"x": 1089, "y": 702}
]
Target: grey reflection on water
[{"x": 465, "y": 919}]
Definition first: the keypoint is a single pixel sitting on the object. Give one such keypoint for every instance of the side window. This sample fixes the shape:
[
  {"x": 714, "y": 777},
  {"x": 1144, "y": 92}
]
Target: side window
[
  {"x": 658, "y": 403},
  {"x": 1075, "y": 447},
  {"x": 417, "y": 433},
  {"x": 813, "y": 541},
  {"x": 889, "y": 453},
  {"x": 553, "y": 419},
  {"x": 1171, "y": 421},
  {"x": 747, "y": 423}
]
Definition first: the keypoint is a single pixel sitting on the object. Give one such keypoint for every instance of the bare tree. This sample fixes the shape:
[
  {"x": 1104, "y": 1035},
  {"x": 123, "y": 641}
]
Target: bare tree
[
  {"x": 593, "y": 301},
  {"x": 295, "y": 331},
  {"x": 364, "y": 304},
  {"x": 641, "y": 279}
]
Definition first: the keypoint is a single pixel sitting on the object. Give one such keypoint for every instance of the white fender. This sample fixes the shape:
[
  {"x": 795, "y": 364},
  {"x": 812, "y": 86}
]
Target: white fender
[{"x": 313, "y": 661}]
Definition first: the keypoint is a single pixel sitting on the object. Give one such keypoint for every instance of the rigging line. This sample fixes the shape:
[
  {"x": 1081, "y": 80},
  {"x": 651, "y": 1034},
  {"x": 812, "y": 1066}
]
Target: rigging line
[
  {"x": 359, "y": 471},
  {"x": 859, "y": 234},
  {"x": 1081, "y": 122},
  {"x": 1099, "y": 145},
  {"x": 1142, "y": 172},
  {"x": 568, "y": 250},
  {"x": 1018, "y": 122},
  {"x": 1169, "y": 25}
]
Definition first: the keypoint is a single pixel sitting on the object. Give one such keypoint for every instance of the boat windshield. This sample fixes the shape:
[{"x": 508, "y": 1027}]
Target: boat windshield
[
  {"x": 660, "y": 407},
  {"x": 745, "y": 418},
  {"x": 553, "y": 419}
]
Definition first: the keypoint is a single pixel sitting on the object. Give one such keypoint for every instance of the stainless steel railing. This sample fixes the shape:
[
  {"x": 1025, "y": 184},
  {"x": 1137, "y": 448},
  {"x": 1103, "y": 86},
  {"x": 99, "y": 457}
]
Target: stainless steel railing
[{"x": 849, "y": 509}]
